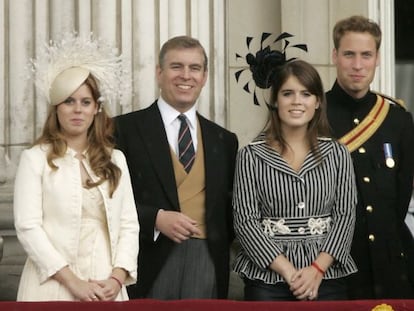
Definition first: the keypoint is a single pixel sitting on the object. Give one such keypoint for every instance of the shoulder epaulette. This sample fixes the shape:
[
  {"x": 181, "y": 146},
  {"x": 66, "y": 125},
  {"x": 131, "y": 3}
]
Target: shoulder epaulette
[{"x": 397, "y": 101}]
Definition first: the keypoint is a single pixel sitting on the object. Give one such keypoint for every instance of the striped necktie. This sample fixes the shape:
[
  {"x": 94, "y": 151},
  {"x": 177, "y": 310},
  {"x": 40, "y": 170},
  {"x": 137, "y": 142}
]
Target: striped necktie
[{"x": 185, "y": 144}]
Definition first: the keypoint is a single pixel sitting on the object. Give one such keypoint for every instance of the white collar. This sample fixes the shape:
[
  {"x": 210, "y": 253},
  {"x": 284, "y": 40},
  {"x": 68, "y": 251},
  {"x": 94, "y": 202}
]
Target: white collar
[{"x": 169, "y": 114}]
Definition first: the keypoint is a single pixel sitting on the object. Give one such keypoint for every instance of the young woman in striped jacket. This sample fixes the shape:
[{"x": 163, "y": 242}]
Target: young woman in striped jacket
[{"x": 294, "y": 196}]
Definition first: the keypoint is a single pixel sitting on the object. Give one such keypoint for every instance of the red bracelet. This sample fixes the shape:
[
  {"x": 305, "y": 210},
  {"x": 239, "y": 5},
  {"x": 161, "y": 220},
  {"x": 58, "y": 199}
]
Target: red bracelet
[
  {"x": 316, "y": 266},
  {"x": 117, "y": 280}
]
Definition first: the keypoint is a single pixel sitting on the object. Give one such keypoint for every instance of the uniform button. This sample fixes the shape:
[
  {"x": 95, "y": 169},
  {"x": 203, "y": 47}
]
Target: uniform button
[
  {"x": 366, "y": 179},
  {"x": 402, "y": 254},
  {"x": 361, "y": 150},
  {"x": 369, "y": 208},
  {"x": 301, "y": 205},
  {"x": 371, "y": 237},
  {"x": 356, "y": 121}
]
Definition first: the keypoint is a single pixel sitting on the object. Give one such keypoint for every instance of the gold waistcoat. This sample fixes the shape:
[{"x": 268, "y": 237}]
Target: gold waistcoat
[{"x": 191, "y": 187}]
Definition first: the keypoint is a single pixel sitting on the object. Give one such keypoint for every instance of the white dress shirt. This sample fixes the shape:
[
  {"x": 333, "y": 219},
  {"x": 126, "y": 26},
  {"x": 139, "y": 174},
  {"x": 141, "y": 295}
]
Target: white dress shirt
[{"x": 171, "y": 122}]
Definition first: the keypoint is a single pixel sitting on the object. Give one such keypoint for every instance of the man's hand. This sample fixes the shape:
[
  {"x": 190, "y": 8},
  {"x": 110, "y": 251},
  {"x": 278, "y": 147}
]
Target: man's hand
[{"x": 176, "y": 226}]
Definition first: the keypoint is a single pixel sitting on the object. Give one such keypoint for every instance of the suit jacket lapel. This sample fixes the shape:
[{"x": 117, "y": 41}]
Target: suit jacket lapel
[
  {"x": 211, "y": 161},
  {"x": 158, "y": 148}
]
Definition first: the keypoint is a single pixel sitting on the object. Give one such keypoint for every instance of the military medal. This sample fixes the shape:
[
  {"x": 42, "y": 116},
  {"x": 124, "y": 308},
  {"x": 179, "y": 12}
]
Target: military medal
[{"x": 389, "y": 161}]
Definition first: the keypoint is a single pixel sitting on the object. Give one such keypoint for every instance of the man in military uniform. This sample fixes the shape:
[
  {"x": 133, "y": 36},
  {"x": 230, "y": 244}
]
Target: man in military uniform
[{"x": 379, "y": 133}]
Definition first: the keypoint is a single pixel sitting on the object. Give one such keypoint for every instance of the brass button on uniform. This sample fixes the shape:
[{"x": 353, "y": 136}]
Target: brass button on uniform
[
  {"x": 369, "y": 208},
  {"x": 356, "y": 121},
  {"x": 361, "y": 150},
  {"x": 371, "y": 237},
  {"x": 366, "y": 179}
]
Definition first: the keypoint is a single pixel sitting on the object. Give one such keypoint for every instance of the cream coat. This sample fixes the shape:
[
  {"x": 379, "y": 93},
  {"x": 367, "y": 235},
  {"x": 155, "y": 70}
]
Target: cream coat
[{"x": 47, "y": 211}]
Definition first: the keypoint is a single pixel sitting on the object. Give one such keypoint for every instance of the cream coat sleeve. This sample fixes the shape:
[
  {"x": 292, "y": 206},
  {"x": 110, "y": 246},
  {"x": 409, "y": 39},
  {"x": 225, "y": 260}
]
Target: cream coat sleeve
[
  {"x": 127, "y": 244},
  {"x": 28, "y": 214}
]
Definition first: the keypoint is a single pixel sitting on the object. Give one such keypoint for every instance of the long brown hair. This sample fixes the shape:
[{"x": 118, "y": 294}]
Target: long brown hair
[
  {"x": 309, "y": 77},
  {"x": 100, "y": 142}
]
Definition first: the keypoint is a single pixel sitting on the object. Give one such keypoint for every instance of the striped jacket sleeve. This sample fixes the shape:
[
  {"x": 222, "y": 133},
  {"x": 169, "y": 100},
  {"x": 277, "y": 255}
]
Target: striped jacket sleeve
[
  {"x": 339, "y": 238},
  {"x": 247, "y": 215}
]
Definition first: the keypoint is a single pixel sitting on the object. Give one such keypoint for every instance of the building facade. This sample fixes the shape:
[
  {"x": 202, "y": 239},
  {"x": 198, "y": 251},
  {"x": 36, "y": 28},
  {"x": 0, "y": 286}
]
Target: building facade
[{"x": 138, "y": 28}]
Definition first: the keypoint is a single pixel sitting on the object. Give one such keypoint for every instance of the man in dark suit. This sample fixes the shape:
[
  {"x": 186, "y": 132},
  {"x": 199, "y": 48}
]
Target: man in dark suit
[
  {"x": 184, "y": 206},
  {"x": 379, "y": 132}
]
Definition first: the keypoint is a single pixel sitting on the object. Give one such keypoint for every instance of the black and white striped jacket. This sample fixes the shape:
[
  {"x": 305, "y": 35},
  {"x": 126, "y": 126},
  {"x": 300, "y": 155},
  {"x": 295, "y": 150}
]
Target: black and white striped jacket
[{"x": 299, "y": 214}]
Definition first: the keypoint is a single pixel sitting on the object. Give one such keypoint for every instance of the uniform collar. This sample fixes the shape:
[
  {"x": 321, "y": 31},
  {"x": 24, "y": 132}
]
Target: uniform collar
[{"x": 355, "y": 103}]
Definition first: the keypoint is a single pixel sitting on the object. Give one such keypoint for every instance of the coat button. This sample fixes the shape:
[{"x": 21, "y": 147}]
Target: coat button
[
  {"x": 361, "y": 150},
  {"x": 371, "y": 237},
  {"x": 366, "y": 179},
  {"x": 369, "y": 208}
]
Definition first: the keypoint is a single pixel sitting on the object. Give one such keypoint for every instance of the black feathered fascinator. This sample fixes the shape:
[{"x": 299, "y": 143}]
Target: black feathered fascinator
[{"x": 264, "y": 64}]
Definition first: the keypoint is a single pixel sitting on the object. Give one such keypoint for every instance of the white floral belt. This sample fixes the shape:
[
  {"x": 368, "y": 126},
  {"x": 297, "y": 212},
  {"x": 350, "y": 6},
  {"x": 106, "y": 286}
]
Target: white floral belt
[{"x": 296, "y": 226}]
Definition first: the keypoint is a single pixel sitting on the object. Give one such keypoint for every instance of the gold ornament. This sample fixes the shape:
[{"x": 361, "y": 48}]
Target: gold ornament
[{"x": 383, "y": 307}]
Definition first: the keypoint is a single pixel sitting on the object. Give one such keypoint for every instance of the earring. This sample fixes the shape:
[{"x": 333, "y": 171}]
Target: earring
[{"x": 100, "y": 102}]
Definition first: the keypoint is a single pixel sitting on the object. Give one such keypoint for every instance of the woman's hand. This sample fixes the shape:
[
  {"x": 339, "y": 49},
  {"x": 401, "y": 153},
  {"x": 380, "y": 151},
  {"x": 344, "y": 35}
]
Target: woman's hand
[
  {"x": 305, "y": 283},
  {"x": 284, "y": 267},
  {"x": 109, "y": 289},
  {"x": 80, "y": 289},
  {"x": 112, "y": 286}
]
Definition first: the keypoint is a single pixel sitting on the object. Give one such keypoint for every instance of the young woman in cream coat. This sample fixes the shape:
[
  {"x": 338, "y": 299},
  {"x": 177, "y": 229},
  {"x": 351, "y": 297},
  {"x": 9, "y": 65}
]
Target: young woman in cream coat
[{"x": 74, "y": 208}]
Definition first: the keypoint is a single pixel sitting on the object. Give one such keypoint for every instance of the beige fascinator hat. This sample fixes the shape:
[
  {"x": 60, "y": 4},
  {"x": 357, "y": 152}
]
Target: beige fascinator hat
[
  {"x": 63, "y": 66},
  {"x": 66, "y": 83}
]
